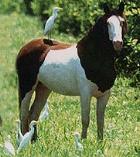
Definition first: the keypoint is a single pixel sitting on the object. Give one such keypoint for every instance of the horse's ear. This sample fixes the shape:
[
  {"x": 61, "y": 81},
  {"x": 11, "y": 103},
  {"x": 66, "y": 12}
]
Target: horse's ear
[
  {"x": 121, "y": 8},
  {"x": 105, "y": 7}
]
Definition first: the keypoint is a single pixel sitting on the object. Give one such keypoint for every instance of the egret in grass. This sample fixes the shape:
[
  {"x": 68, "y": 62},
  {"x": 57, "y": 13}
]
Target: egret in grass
[
  {"x": 27, "y": 137},
  {"x": 19, "y": 135},
  {"x": 78, "y": 145},
  {"x": 8, "y": 147},
  {"x": 50, "y": 22},
  {"x": 45, "y": 113}
]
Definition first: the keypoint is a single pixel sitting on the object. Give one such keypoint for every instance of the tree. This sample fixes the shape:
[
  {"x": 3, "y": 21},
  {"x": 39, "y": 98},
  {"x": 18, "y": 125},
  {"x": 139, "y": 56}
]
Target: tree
[{"x": 28, "y": 6}]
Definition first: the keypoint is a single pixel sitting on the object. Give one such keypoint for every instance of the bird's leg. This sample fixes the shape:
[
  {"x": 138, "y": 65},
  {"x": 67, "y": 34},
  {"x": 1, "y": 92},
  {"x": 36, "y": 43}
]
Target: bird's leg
[
  {"x": 100, "y": 110},
  {"x": 41, "y": 96},
  {"x": 48, "y": 35}
]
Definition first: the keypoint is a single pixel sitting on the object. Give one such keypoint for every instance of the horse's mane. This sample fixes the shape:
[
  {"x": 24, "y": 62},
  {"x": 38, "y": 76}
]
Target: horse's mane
[
  {"x": 96, "y": 55},
  {"x": 96, "y": 41}
]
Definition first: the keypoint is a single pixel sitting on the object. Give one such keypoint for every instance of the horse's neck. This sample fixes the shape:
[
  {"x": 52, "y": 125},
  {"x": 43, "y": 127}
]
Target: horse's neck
[
  {"x": 98, "y": 62},
  {"x": 96, "y": 49},
  {"x": 97, "y": 58}
]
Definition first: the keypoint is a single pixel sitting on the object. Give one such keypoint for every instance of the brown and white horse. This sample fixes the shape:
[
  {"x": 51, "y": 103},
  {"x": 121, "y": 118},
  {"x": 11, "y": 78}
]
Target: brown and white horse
[{"x": 85, "y": 69}]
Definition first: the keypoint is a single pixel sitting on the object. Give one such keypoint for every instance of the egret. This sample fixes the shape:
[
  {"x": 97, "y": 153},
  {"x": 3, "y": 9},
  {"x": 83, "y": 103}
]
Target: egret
[
  {"x": 8, "y": 146},
  {"x": 50, "y": 22},
  {"x": 45, "y": 113},
  {"x": 78, "y": 145},
  {"x": 27, "y": 137},
  {"x": 19, "y": 135}
]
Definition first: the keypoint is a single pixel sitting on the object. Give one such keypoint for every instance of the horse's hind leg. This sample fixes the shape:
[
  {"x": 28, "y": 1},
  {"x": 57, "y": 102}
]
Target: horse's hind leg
[
  {"x": 27, "y": 85},
  {"x": 24, "y": 111},
  {"x": 41, "y": 95}
]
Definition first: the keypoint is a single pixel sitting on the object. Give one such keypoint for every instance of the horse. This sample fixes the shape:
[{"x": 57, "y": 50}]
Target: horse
[{"x": 85, "y": 69}]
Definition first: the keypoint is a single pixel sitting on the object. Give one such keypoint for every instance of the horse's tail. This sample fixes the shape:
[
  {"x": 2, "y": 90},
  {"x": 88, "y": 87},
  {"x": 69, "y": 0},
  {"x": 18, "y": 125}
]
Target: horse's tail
[
  {"x": 28, "y": 62},
  {"x": 27, "y": 76}
]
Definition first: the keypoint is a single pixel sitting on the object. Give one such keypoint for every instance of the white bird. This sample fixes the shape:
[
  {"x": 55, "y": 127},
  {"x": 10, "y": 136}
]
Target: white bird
[
  {"x": 78, "y": 145},
  {"x": 19, "y": 135},
  {"x": 50, "y": 22},
  {"x": 9, "y": 148},
  {"x": 27, "y": 137},
  {"x": 45, "y": 113}
]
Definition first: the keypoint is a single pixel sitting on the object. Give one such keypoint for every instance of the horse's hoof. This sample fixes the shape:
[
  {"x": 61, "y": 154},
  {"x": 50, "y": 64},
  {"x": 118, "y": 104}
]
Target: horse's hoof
[
  {"x": 83, "y": 136},
  {"x": 34, "y": 139}
]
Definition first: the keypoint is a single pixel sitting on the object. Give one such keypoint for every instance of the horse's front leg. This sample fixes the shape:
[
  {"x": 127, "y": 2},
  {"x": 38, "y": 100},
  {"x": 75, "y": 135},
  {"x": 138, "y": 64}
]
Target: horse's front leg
[
  {"x": 85, "y": 111},
  {"x": 100, "y": 110}
]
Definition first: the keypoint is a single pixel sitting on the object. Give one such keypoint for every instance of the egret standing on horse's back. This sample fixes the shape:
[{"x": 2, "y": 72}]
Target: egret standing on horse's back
[{"x": 50, "y": 22}]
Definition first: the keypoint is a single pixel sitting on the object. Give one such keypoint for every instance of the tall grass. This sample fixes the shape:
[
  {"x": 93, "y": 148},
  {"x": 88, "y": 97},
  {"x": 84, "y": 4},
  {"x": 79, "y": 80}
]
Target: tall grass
[{"x": 122, "y": 121}]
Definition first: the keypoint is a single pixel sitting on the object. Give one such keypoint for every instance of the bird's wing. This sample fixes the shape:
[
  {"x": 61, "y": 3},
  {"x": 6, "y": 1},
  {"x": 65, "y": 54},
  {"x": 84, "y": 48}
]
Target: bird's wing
[
  {"x": 49, "y": 24},
  {"x": 19, "y": 134},
  {"x": 46, "y": 106},
  {"x": 19, "y": 137},
  {"x": 78, "y": 145},
  {"x": 43, "y": 115},
  {"x": 9, "y": 148},
  {"x": 25, "y": 140}
]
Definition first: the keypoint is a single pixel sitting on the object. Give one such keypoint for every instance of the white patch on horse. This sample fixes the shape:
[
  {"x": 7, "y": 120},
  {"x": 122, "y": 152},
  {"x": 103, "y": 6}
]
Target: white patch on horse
[
  {"x": 62, "y": 72},
  {"x": 115, "y": 28}
]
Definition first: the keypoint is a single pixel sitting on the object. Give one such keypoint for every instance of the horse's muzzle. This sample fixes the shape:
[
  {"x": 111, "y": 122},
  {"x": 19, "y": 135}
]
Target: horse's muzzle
[{"x": 118, "y": 45}]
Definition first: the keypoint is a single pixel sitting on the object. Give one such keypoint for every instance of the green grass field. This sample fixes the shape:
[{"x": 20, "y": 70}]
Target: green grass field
[{"x": 122, "y": 121}]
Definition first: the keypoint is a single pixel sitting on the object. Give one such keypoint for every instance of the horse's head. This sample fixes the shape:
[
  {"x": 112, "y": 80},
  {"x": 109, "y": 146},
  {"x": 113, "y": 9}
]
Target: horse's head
[{"x": 116, "y": 25}]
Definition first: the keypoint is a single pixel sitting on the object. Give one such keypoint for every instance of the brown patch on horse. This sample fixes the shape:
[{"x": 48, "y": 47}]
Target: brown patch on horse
[{"x": 29, "y": 60}]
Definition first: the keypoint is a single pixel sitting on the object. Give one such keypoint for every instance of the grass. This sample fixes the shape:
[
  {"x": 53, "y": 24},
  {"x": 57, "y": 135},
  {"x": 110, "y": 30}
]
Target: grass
[{"x": 122, "y": 121}]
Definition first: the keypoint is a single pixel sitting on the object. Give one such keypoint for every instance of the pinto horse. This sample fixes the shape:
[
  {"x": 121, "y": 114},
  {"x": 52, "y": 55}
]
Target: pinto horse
[{"x": 84, "y": 69}]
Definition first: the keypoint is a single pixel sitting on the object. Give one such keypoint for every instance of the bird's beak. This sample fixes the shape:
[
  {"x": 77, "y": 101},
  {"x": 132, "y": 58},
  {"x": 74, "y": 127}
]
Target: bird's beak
[
  {"x": 60, "y": 8},
  {"x": 36, "y": 122}
]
